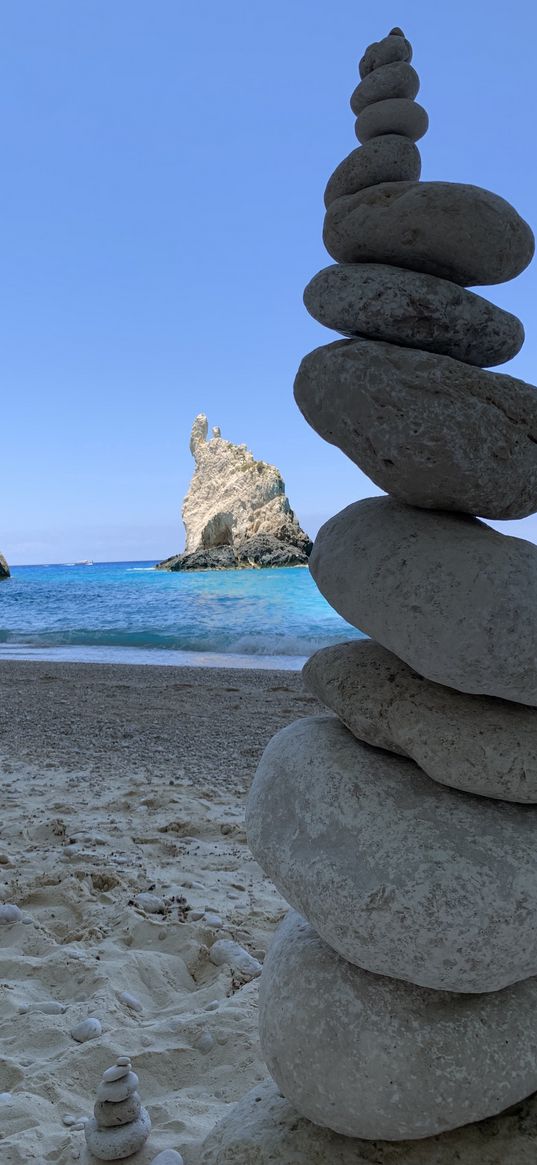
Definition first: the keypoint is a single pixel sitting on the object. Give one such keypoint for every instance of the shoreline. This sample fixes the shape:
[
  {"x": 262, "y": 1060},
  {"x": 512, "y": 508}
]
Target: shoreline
[
  {"x": 109, "y": 654},
  {"x": 120, "y": 780}
]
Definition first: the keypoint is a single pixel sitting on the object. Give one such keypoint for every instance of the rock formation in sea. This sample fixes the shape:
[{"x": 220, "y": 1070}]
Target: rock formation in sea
[
  {"x": 4, "y": 568},
  {"x": 120, "y": 1126},
  {"x": 236, "y": 512},
  {"x": 397, "y": 1001}
]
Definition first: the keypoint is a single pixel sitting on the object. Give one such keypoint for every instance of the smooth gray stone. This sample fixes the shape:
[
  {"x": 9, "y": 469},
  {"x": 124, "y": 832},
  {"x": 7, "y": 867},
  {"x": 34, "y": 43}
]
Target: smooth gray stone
[
  {"x": 399, "y": 115},
  {"x": 398, "y": 874},
  {"x": 462, "y": 233},
  {"x": 88, "y": 1029},
  {"x": 109, "y": 1115},
  {"x": 168, "y": 1157},
  {"x": 116, "y": 1072},
  {"x": 371, "y": 1057},
  {"x": 396, "y": 80},
  {"x": 384, "y": 52},
  {"x": 265, "y": 1129},
  {"x": 474, "y": 743},
  {"x": 119, "y": 1089},
  {"x": 115, "y": 1144},
  {"x": 454, "y": 599},
  {"x": 391, "y": 158},
  {"x": 432, "y": 431},
  {"x": 414, "y": 310}
]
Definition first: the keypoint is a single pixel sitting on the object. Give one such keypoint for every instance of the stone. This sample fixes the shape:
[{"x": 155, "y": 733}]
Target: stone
[
  {"x": 400, "y": 875},
  {"x": 265, "y": 1129},
  {"x": 110, "y": 1114},
  {"x": 227, "y": 952},
  {"x": 150, "y": 903},
  {"x": 232, "y": 499},
  {"x": 118, "y": 1089},
  {"x": 432, "y": 431},
  {"x": 414, "y": 310},
  {"x": 459, "y": 232},
  {"x": 396, "y": 80},
  {"x": 447, "y": 594},
  {"x": 384, "y": 52},
  {"x": 474, "y": 743},
  {"x": 9, "y": 913},
  {"x": 204, "y": 1043},
  {"x": 117, "y": 1072},
  {"x": 371, "y": 1057},
  {"x": 4, "y": 568},
  {"x": 131, "y": 1001},
  {"x": 168, "y": 1157},
  {"x": 391, "y": 158},
  {"x": 395, "y": 115},
  {"x": 88, "y": 1029},
  {"x": 115, "y": 1144}
]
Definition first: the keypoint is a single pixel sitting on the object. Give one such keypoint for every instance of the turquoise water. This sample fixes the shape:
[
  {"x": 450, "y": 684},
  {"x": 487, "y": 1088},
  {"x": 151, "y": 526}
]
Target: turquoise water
[{"x": 127, "y": 612}]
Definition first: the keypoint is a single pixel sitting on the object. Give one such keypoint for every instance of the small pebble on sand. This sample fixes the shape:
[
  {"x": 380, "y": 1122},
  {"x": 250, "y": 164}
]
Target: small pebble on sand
[
  {"x": 204, "y": 1043},
  {"x": 9, "y": 913},
  {"x": 130, "y": 1001},
  {"x": 88, "y": 1029},
  {"x": 168, "y": 1157},
  {"x": 150, "y": 903}
]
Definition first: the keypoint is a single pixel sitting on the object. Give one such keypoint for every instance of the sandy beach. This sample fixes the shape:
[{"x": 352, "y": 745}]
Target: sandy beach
[{"x": 118, "y": 781}]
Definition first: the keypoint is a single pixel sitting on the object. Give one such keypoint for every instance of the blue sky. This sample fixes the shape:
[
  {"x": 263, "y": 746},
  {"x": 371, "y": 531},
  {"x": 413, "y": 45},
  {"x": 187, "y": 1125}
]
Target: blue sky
[{"x": 163, "y": 166}]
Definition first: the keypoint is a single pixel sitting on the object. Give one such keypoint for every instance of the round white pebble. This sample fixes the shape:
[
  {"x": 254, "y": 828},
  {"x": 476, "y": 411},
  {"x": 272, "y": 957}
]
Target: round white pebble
[
  {"x": 150, "y": 903},
  {"x": 168, "y": 1157},
  {"x": 88, "y": 1029},
  {"x": 214, "y": 920},
  {"x": 130, "y": 1001},
  {"x": 204, "y": 1043},
  {"x": 10, "y": 913},
  {"x": 5, "y": 1097}
]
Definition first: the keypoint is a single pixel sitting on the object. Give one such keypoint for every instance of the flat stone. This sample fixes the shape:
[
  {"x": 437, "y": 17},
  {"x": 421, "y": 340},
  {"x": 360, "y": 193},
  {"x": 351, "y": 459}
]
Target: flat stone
[
  {"x": 88, "y": 1029},
  {"x": 370, "y": 1057},
  {"x": 396, "y": 80},
  {"x": 474, "y": 743},
  {"x": 230, "y": 953},
  {"x": 430, "y": 430},
  {"x": 415, "y": 310},
  {"x": 265, "y": 1129},
  {"x": 117, "y": 1072},
  {"x": 399, "y": 115},
  {"x": 150, "y": 903},
  {"x": 384, "y": 52},
  {"x": 451, "y": 597},
  {"x": 462, "y": 233},
  {"x": 131, "y": 1001},
  {"x": 115, "y": 1144},
  {"x": 400, "y": 875},
  {"x": 118, "y": 1089},
  {"x": 109, "y": 1114},
  {"x": 391, "y": 158}
]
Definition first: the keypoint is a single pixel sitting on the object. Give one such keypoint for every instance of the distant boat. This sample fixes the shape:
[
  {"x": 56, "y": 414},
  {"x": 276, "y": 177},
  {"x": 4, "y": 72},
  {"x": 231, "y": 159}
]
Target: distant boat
[{"x": 85, "y": 562}]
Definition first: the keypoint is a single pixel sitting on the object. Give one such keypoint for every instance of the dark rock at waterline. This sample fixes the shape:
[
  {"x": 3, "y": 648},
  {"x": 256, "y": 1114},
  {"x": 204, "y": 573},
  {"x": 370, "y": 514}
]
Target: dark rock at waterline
[
  {"x": 261, "y": 551},
  {"x": 4, "y": 568}
]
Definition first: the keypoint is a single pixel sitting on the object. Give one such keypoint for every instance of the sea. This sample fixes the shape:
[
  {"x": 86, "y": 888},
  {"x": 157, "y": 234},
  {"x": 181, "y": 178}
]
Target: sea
[{"x": 128, "y": 612}]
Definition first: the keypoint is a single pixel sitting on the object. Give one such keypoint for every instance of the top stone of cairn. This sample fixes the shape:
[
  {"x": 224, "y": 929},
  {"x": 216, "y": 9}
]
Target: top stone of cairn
[{"x": 379, "y": 212}]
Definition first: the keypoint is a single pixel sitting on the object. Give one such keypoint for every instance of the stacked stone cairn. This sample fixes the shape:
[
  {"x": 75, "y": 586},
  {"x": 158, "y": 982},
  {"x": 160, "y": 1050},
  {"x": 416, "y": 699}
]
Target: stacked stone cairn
[
  {"x": 399, "y": 997},
  {"x": 121, "y": 1125}
]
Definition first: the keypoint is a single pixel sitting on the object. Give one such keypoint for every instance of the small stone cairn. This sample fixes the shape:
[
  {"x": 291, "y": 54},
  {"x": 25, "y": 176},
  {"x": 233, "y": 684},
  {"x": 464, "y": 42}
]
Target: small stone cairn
[
  {"x": 399, "y": 998},
  {"x": 121, "y": 1125}
]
